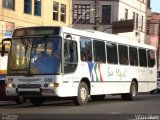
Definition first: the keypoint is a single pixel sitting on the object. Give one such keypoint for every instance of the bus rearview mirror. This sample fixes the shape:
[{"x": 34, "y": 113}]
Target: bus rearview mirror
[
  {"x": 68, "y": 36},
  {"x": 3, "y": 50}
]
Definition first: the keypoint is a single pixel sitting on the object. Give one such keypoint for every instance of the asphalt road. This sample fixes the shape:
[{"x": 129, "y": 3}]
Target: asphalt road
[{"x": 146, "y": 106}]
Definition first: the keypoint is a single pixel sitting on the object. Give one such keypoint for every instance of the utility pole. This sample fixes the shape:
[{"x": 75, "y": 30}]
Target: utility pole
[{"x": 96, "y": 15}]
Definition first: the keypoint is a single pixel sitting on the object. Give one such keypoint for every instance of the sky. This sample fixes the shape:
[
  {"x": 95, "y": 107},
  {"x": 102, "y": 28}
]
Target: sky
[{"x": 155, "y": 5}]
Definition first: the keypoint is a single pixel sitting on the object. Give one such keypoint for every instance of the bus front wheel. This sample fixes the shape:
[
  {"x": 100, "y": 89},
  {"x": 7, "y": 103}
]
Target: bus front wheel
[
  {"x": 20, "y": 100},
  {"x": 83, "y": 93},
  {"x": 133, "y": 92}
]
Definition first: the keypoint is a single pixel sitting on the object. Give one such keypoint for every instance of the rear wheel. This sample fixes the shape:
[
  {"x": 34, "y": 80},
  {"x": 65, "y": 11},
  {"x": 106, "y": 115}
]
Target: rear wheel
[
  {"x": 83, "y": 93},
  {"x": 37, "y": 101},
  {"x": 158, "y": 91},
  {"x": 133, "y": 92},
  {"x": 97, "y": 97}
]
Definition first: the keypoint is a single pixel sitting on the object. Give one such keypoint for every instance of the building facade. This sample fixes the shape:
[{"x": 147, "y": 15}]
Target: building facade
[
  {"x": 25, "y": 13},
  {"x": 108, "y": 11},
  {"x": 148, "y": 19},
  {"x": 153, "y": 31}
]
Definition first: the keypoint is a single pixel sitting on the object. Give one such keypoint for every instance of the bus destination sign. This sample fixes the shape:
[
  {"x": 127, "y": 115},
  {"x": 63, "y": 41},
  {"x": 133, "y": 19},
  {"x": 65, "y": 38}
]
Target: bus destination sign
[{"x": 36, "y": 31}]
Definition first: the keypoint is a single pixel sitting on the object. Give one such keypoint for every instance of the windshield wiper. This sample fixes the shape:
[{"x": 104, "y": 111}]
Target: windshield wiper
[{"x": 26, "y": 48}]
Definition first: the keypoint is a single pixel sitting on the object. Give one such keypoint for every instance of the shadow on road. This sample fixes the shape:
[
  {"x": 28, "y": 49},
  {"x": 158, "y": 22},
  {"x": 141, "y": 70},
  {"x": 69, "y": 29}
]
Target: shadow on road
[{"x": 60, "y": 102}]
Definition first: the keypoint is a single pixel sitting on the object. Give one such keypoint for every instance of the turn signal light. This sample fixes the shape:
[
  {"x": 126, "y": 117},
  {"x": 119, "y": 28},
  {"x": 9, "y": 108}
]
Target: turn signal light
[{"x": 56, "y": 84}]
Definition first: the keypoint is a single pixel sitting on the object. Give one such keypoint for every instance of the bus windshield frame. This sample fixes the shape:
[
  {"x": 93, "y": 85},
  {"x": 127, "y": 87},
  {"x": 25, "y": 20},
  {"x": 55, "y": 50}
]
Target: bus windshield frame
[{"x": 35, "y": 55}]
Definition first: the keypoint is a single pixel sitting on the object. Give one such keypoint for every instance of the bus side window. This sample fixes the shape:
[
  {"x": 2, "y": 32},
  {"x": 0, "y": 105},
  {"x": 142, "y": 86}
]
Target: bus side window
[
  {"x": 86, "y": 49},
  {"x": 133, "y": 56},
  {"x": 142, "y": 57},
  {"x": 112, "y": 57},
  {"x": 151, "y": 58},
  {"x": 99, "y": 51},
  {"x": 70, "y": 56},
  {"x": 123, "y": 54}
]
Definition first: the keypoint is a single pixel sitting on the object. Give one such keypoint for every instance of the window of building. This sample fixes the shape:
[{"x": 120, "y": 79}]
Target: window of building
[
  {"x": 99, "y": 51},
  {"x": 142, "y": 57},
  {"x": 55, "y": 10},
  {"x": 142, "y": 24},
  {"x": 148, "y": 27},
  {"x": 151, "y": 58},
  {"x": 106, "y": 14},
  {"x": 37, "y": 7},
  {"x": 123, "y": 54},
  {"x": 27, "y": 6},
  {"x": 134, "y": 18},
  {"x": 81, "y": 13},
  {"x": 133, "y": 56},
  {"x": 126, "y": 14},
  {"x": 112, "y": 56},
  {"x": 86, "y": 49},
  {"x": 149, "y": 4},
  {"x": 63, "y": 13},
  {"x": 136, "y": 21},
  {"x": 9, "y": 4}
]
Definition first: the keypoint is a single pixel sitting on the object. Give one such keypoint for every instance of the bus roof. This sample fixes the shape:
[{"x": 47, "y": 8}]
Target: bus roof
[{"x": 104, "y": 36}]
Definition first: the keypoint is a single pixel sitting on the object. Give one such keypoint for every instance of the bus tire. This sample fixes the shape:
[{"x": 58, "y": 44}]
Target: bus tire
[
  {"x": 20, "y": 100},
  {"x": 83, "y": 93},
  {"x": 133, "y": 92},
  {"x": 97, "y": 97},
  {"x": 158, "y": 91},
  {"x": 37, "y": 101}
]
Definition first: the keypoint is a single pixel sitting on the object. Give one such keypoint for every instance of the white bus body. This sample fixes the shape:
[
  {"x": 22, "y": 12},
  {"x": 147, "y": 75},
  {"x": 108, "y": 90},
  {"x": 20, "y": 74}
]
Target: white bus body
[{"x": 83, "y": 78}]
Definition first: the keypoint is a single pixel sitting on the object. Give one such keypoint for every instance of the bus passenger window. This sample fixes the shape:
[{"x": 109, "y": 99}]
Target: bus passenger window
[
  {"x": 123, "y": 54},
  {"x": 112, "y": 53},
  {"x": 99, "y": 51},
  {"x": 142, "y": 57},
  {"x": 151, "y": 58},
  {"x": 133, "y": 56},
  {"x": 86, "y": 49}
]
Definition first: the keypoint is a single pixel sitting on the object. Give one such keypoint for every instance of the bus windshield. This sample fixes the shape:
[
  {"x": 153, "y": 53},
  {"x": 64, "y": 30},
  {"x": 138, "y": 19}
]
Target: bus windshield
[{"x": 35, "y": 55}]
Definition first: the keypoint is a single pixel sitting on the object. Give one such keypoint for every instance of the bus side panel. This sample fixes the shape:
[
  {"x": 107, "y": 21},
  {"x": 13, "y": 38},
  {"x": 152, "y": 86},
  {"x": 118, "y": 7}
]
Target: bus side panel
[
  {"x": 69, "y": 86},
  {"x": 110, "y": 79},
  {"x": 152, "y": 78},
  {"x": 147, "y": 81},
  {"x": 125, "y": 76}
]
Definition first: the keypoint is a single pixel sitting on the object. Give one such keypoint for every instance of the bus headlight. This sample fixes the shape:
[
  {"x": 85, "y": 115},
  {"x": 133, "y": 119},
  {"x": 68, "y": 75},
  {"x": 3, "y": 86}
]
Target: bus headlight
[
  {"x": 51, "y": 85},
  {"x": 10, "y": 85}
]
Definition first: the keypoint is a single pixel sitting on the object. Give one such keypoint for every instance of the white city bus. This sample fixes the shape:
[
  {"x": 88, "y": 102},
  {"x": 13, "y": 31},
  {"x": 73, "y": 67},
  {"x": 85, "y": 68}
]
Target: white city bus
[{"x": 49, "y": 62}]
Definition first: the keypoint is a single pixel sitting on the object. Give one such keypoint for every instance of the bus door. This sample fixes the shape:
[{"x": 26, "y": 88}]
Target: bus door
[{"x": 70, "y": 63}]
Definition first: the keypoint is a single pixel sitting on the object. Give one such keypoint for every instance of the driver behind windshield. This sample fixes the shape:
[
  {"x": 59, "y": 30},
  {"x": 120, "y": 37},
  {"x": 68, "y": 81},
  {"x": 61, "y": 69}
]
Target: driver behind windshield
[{"x": 48, "y": 61}]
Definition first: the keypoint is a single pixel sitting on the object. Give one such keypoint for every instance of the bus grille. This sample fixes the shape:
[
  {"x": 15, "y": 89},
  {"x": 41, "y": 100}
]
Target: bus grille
[
  {"x": 29, "y": 93},
  {"x": 29, "y": 86}
]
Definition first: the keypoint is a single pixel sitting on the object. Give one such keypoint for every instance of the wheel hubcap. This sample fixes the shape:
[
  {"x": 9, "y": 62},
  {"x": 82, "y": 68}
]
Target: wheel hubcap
[
  {"x": 134, "y": 91},
  {"x": 83, "y": 94}
]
